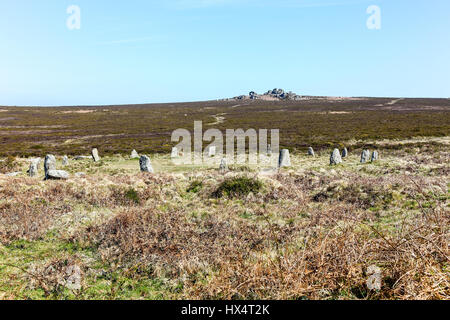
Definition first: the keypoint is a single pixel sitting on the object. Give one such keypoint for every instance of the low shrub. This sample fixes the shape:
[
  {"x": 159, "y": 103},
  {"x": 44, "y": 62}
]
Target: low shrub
[{"x": 237, "y": 187}]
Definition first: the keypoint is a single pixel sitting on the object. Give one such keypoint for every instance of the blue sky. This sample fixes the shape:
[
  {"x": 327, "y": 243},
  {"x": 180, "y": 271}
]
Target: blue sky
[{"x": 140, "y": 51}]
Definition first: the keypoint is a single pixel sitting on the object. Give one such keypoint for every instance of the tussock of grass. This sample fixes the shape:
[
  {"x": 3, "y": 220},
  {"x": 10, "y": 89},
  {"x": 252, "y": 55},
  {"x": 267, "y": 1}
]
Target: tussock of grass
[{"x": 237, "y": 187}]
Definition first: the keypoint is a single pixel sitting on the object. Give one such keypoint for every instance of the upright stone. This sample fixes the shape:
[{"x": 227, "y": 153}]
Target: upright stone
[
  {"x": 212, "y": 151},
  {"x": 285, "y": 159},
  {"x": 365, "y": 155},
  {"x": 335, "y": 158},
  {"x": 145, "y": 164},
  {"x": 344, "y": 153},
  {"x": 134, "y": 154},
  {"x": 174, "y": 152},
  {"x": 33, "y": 170},
  {"x": 223, "y": 166},
  {"x": 311, "y": 152},
  {"x": 375, "y": 156},
  {"x": 65, "y": 161},
  {"x": 269, "y": 149},
  {"x": 95, "y": 155},
  {"x": 49, "y": 164}
]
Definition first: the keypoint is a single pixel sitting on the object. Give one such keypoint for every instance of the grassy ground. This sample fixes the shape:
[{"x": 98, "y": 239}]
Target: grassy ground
[
  {"x": 320, "y": 123},
  {"x": 307, "y": 232}
]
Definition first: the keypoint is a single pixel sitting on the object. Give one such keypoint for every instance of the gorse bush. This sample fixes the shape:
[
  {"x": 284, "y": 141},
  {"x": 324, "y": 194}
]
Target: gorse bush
[{"x": 237, "y": 187}]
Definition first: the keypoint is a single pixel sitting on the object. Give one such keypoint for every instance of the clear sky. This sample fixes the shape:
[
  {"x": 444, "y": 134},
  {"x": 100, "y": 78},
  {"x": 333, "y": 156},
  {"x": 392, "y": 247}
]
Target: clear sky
[{"x": 142, "y": 51}]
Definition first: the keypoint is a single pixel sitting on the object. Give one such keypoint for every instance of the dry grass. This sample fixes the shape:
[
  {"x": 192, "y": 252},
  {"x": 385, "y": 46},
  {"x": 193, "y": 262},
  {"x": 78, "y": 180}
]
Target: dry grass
[{"x": 310, "y": 232}]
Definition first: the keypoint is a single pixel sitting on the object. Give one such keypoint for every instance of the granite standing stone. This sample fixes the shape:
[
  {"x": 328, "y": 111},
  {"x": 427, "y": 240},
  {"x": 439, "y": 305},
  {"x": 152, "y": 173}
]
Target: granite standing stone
[
  {"x": 285, "y": 159},
  {"x": 212, "y": 151},
  {"x": 134, "y": 154},
  {"x": 335, "y": 158},
  {"x": 365, "y": 155},
  {"x": 223, "y": 166},
  {"x": 65, "y": 161},
  {"x": 174, "y": 152},
  {"x": 311, "y": 152},
  {"x": 345, "y": 153},
  {"x": 145, "y": 164},
  {"x": 375, "y": 156},
  {"x": 49, "y": 163},
  {"x": 95, "y": 155}
]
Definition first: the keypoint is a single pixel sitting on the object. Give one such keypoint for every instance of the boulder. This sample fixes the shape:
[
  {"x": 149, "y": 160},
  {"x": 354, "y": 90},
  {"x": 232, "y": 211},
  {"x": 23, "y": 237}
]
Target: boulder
[
  {"x": 145, "y": 164},
  {"x": 56, "y": 175},
  {"x": 95, "y": 155},
  {"x": 284, "y": 159},
  {"x": 134, "y": 154},
  {"x": 345, "y": 153},
  {"x": 311, "y": 152},
  {"x": 81, "y": 157},
  {"x": 375, "y": 156},
  {"x": 335, "y": 157},
  {"x": 365, "y": 155}
]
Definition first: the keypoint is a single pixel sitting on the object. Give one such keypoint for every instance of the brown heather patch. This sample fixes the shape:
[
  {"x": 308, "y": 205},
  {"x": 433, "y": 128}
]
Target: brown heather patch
[{"x": 282, "y": 241}]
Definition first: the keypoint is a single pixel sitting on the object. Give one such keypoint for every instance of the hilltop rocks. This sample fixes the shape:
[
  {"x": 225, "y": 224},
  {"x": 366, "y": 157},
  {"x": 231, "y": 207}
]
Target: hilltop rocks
[
  {"x": 273, "y": 95},
  {"x": 65, "y": 161},
  {"x": 145, "y": 164},
  {"x": 134, "y": 154},
  {"x": 95, "y": 155},
  {"x": 57, "y": 175},
  {"x": 285, "y": 159},
  {"x": 375, "y": 156},
  {"x": 335, "y": 158},
  {"x": 311, "y": 152},
  {"x": 344, "y": 153},
  {"x": 365, "y": 155}
]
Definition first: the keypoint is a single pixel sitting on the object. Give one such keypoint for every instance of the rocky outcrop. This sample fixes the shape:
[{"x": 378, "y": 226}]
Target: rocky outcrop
[{"x": 274, "y": 94}]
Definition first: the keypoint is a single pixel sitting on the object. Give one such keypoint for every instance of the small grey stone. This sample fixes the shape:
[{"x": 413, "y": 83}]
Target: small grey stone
[
  {"x": 375, "y": 156},
  {"x": 311, "y": 152},
  {"x": 134, "y": 154},
  {"x": 56, "y": 175},
  {"x": 344, "y": 153},
  {"x": 145, "y": 164},
  {"x": 13, "y": 174},
  {"x": 80, "y": 174},
  {"x": 284, "y": 159},
  {"x": 335, "y": 158},
  {"x": 81, "y": 157},
  {"x": 95, "y": 155},
  {"x": 365, "y": 155}
]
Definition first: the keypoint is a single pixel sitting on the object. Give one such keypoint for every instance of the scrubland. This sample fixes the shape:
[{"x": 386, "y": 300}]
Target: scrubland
[{"x": 307, "y": 232}]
